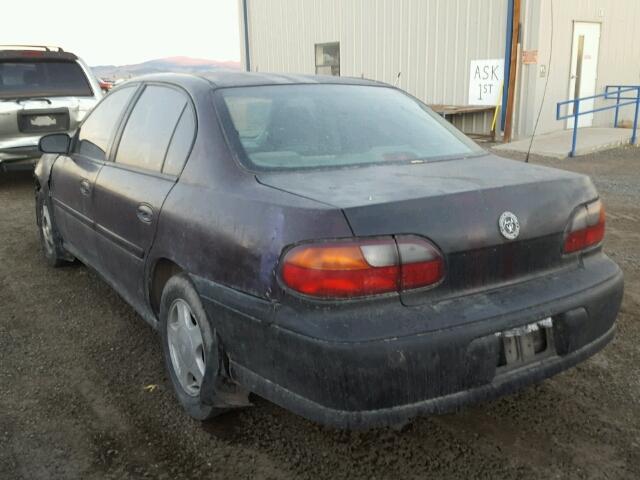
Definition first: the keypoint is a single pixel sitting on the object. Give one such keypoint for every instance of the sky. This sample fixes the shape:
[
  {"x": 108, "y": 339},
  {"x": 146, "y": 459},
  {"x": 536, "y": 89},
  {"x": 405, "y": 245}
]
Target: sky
[{"x": 122, "y": 32}]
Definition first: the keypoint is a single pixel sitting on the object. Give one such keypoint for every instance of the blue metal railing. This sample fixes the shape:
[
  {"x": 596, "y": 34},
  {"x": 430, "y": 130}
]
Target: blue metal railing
[{"x": 611, "y": 92}]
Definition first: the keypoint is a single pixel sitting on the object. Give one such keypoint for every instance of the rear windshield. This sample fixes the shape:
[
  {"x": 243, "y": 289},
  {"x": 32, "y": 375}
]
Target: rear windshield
[
  {"x": 315, "y": 126},
  {"x": 23, "y": 79}
]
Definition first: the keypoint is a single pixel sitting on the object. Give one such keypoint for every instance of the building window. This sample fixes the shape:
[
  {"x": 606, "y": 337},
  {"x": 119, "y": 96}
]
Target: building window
[{"x": 328, "y": 59}]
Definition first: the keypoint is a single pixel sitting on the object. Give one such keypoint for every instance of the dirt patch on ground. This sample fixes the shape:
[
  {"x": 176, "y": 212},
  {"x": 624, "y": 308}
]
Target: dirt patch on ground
[{"x": 75, "y": 360}]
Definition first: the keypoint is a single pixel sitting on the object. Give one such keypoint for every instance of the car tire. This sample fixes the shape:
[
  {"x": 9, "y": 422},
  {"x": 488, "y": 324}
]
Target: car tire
[
  {"x": 50, "y": 238},
  {"x": 184, "y": 324}
]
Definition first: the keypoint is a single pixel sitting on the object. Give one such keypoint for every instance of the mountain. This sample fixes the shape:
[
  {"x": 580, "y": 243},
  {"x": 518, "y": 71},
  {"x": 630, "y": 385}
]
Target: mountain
[{"x": 169, "y": 64}]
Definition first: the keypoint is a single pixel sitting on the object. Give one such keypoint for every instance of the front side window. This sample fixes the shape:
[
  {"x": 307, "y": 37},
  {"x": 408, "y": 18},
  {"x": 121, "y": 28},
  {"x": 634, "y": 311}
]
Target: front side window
[
  {"x": 97, "y": 130},
  {"x": 150, "y": 128},
  {"x": 42, "y": 78},
  {"x": 316, "y": 126},
  {"x": 328, "y": 59}
]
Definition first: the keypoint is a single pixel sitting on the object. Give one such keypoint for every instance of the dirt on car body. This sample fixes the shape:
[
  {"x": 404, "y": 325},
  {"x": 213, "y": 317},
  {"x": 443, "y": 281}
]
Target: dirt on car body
[{"x": 83, "y": 392}]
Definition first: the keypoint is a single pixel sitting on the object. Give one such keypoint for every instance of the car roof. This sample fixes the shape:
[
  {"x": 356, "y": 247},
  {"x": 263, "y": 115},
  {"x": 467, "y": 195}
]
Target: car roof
[
  {"x": 225, "y": 79},
  {"x": 34, "y": 52},
  {"x": 242, "y": 79}
]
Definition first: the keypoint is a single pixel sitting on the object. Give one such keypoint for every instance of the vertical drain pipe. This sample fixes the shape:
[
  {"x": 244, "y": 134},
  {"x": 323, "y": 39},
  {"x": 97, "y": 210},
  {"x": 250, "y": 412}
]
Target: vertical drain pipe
[
  {"x": 507, "y": 64},
  {"x": 247, "y": 53},
  {"x": 513, "y": 72}
]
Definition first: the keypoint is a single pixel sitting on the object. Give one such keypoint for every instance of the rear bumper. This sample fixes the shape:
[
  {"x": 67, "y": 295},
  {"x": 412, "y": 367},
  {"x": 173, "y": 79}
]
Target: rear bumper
[
  {"x": 504, "y": 384},
  {"x": 17, "y": 164},
  {"x": 360, "y": 383},
  {"x": 22, "y": 157}
]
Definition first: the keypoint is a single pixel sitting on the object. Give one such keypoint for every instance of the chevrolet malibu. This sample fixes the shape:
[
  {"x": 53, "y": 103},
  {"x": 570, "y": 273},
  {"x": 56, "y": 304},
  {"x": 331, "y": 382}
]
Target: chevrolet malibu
[{"x": 329, "y": 244}]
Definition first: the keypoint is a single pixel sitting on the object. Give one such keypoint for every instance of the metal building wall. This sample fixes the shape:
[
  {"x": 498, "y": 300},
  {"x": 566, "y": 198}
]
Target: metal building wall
[
  {"x": 618, "y": 62},
  {"x": 430, "y": 42},
  {"x": 527, "y": 79}
]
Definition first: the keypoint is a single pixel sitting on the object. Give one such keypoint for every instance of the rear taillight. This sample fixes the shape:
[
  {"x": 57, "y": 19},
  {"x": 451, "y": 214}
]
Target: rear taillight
[
  {"x": 356, "y": 268},
  {"x": 421, "y": 263},
  {"x": 586, "y": 228}
]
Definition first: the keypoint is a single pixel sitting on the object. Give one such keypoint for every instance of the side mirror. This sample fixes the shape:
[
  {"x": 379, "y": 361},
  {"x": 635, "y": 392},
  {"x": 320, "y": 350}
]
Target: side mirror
[{"x": 55, "y": 143}]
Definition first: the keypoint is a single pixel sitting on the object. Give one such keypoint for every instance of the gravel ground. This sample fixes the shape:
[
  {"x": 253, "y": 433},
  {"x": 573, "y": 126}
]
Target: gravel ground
[{"x": 75, "y": 361}]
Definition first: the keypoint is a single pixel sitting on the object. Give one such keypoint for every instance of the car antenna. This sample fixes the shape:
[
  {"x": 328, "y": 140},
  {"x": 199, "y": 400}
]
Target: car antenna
[{"x": 397, "y": 79}]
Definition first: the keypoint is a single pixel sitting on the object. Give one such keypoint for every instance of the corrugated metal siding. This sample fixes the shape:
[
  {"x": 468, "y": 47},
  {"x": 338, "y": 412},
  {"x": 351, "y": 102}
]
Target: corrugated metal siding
[
  {"x": 429, "y": 42},
  {"x": 618, "y": 62}
]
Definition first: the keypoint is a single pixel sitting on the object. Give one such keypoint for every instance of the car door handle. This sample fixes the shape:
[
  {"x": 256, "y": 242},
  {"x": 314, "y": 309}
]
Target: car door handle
[
  {"x": 145, "y": 213},
  {"x": 85, "y": 186}
]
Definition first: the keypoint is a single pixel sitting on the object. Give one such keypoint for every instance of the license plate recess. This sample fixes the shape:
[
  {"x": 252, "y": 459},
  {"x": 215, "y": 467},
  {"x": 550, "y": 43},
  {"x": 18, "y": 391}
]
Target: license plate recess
[{"x": 526, "y": 343}]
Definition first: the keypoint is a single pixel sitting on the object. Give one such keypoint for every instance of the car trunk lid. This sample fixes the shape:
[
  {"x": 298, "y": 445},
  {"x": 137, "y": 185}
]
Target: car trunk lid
[{"x": 456, "y": 204}]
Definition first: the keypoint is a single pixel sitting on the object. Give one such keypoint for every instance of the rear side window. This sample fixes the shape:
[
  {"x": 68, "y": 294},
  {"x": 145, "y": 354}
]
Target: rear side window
[
  {"x": 180, "y": 143},
  {"x": 97, "y": 129},
  {"x": 23, "y": 79},
  {"x": 150, "y": 127}
]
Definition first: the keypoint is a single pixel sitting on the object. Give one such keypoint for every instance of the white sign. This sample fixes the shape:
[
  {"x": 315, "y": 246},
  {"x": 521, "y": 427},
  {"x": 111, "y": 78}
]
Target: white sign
[{"x": 485, "y": 80}]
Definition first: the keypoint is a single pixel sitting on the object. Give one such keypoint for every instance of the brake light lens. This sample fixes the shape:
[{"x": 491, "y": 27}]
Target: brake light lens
[
  {"x": 356, "y": 268},
  {"x": 587, "y": 227},
  {"x": 422, "y": 263}
]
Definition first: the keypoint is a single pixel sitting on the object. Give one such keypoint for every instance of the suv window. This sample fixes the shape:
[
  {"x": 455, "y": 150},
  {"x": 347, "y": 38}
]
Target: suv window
[
  {"x": 150, "y": 127},
  {"x": 43, "y": 78},
  {"x": 180, "y": 143},
  {"x": 97, "y": 129}
]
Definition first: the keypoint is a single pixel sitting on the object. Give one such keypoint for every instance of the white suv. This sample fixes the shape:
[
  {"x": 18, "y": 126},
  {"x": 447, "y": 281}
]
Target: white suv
[{"x": 42, "y": 90}]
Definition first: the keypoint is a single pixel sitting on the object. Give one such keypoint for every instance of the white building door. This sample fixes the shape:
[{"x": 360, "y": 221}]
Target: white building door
[{"x": 584, "y": 69}]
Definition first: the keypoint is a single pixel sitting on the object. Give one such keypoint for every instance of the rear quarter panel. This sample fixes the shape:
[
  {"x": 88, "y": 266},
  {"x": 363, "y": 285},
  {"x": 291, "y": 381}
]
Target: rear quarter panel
[{"x": 234, "y": 236}]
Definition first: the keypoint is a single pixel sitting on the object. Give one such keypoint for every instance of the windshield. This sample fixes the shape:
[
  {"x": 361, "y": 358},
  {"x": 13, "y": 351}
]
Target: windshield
[
  {"x": 312, "y": 126},
  {"x": 22, "y": 79}
]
